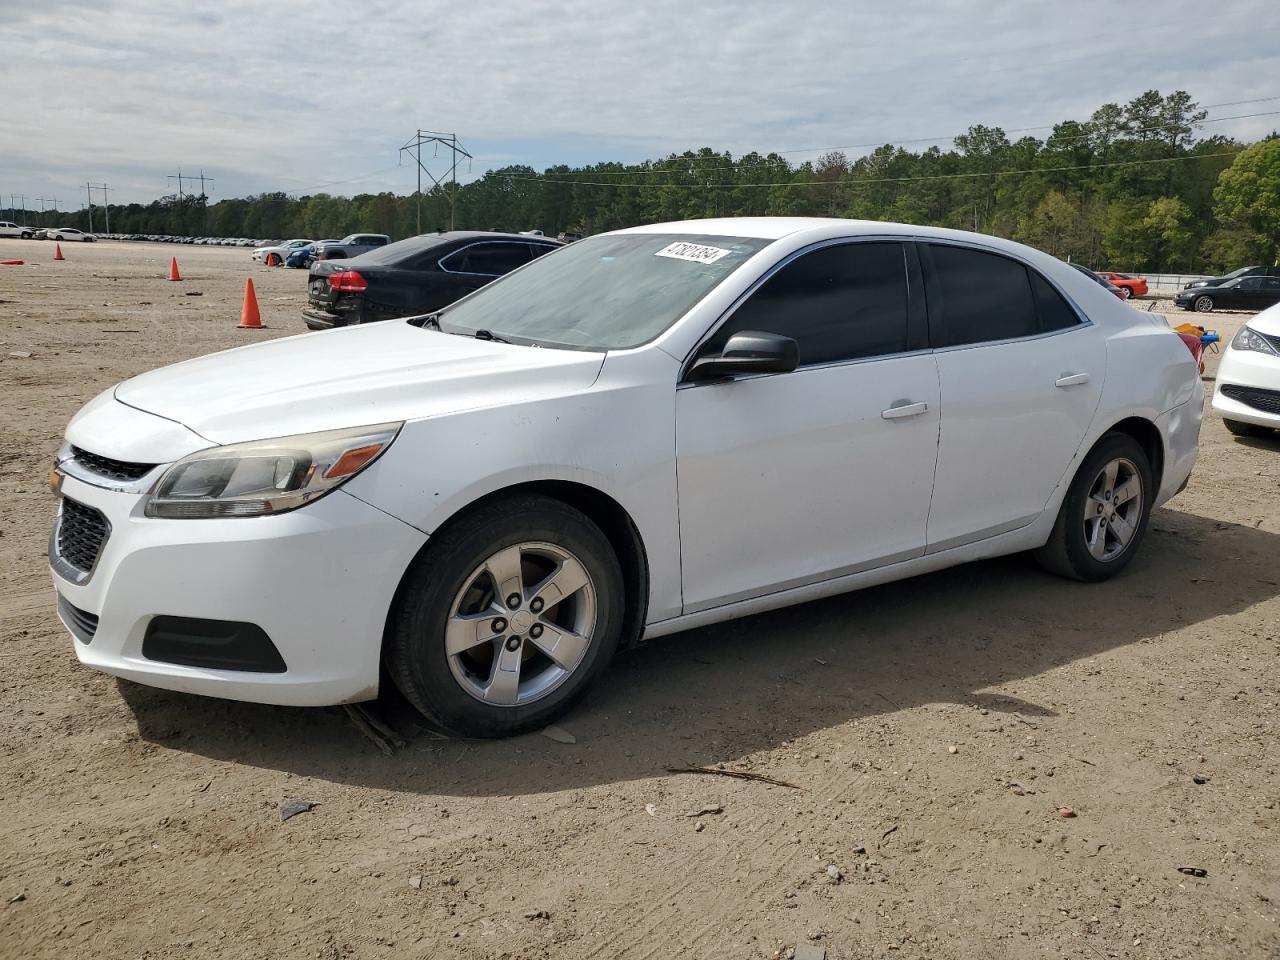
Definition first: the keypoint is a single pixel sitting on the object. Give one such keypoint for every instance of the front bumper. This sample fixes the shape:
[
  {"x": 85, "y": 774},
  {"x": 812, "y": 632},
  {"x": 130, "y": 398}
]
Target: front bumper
[
  {"x": 1246, "y": 368},
  {"x": 318, "y": 581}
]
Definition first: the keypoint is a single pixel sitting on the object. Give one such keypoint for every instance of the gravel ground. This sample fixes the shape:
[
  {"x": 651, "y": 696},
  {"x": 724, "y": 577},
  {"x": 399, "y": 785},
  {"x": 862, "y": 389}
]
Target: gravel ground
[{"x": 931, "y": 728}]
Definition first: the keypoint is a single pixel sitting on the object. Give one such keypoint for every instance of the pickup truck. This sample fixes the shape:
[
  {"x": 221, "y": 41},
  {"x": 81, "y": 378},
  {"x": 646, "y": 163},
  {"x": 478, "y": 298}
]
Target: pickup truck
[
  {"x": 349, "y": 246},
  {"x": 8, "y": 229}
]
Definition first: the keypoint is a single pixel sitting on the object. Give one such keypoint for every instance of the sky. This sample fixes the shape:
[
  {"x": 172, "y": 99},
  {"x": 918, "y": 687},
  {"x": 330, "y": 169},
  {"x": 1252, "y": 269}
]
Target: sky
[{"x": 307, "y": 98}]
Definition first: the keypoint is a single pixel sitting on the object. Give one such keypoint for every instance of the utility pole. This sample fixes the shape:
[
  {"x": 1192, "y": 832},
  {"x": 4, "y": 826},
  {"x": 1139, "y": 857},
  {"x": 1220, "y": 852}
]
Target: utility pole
[
  {"x": 179, "y": 179},
  {"x": 106, "y": 206},
  {"x": 13, "y": 211},
  {"x": 449, "y": 140},
  {"x": 87, "y": 190},
  {"x": 204, "y": 201},
  {"x": 42, "y": 201}
]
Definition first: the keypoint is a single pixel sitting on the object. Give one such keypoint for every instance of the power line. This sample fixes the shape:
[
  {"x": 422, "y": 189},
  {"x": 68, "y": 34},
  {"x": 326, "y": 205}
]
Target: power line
[{"x": 899, "y": 142}]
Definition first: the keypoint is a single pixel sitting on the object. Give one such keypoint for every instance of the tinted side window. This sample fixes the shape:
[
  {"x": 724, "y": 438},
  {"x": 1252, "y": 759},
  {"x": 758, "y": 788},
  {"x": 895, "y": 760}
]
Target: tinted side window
[
  {"x": 839, "y": 303},
  {"x": 492, "y": 259},
  {"x": 1055, "y": 313},
  {"x": 538, "y": 249},
  {"x": 984, "y": 296},
  {"x": 1250, "y": 283}
]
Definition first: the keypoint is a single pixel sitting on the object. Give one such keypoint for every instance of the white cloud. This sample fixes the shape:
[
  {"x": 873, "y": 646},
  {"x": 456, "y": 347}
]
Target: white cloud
[{"x": 269, "y": 95}]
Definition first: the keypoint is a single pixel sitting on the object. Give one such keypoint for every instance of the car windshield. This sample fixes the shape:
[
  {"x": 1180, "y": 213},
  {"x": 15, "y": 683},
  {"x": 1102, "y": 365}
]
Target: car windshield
[
  {"x": 1238, "y": 273},
  {"x": 607, "y": 292}
]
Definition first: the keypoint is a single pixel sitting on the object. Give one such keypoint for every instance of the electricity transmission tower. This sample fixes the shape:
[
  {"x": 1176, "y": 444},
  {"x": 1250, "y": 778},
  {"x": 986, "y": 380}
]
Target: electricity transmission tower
[
  {"x": 450, "y": 142},
  {"x": 42, "y": 201},
  {"x": 106, "y": 206}
]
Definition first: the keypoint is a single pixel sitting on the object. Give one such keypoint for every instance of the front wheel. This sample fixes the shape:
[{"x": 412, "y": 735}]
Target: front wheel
[
  {"x": 1204, "y": 305},
  {"x": 1104, "y": 515},
  {"x": 1241, "y": 429},
  {"x": 506, "y": 618}
]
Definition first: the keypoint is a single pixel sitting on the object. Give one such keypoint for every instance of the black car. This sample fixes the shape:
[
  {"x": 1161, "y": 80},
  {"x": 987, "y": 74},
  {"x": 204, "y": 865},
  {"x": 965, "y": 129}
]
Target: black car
[
  {"x": 418, "y": 275},
  {"x": 1233, "y": 275},
  {"x": 1255, "y": 292}
]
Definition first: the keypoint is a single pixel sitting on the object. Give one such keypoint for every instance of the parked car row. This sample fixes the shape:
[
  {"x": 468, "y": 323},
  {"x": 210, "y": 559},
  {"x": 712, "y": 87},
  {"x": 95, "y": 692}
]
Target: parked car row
[{"x": 1248, "y": 288}]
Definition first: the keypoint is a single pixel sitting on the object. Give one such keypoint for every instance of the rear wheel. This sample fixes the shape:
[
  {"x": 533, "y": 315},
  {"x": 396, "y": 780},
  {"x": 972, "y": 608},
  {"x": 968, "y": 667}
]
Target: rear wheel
[
  {"x": 1203, "y": 304},
  {"x": 1125, "y": 293},
  {"x": 502, "y": 624},
  {"x": 1242, "y": 429},
  {"x": 1104, "y": 515}
]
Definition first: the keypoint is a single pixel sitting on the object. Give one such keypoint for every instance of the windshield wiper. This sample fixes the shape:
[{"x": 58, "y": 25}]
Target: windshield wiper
[
  {"x": 490, "y": 335},
  {"x": 430, "y": 322}
]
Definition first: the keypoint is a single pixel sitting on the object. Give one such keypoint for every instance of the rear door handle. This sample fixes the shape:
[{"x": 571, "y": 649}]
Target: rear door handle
[
  {"x": 899, "y": 411},
  {"x": 1073, "y": 380}
]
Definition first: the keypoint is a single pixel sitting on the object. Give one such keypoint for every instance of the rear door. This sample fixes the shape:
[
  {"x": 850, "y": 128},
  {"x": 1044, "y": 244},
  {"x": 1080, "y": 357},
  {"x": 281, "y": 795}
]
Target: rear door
[{"x": 1021, "y": 373}]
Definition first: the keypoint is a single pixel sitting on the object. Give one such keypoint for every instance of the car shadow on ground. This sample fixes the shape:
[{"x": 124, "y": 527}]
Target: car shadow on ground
[{"x": 721, "y": 693}]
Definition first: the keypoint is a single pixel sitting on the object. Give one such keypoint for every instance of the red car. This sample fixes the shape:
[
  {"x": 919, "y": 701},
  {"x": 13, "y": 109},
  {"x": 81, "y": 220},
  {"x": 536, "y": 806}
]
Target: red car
[{"x": 1129, "y": 286}]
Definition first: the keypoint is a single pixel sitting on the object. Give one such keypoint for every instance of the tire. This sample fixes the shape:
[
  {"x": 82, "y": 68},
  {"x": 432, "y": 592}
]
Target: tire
[
  {"x": 272, "y": 259},
  {"x": 462, "y": 691},
  {"x": 1125, "y": 293},
  {"x": 1203, "y": 304},
  {"x": 1068, "y": 552},
  {"x": 26, "y": 236},
  {"x": 1242, "y": 429}
]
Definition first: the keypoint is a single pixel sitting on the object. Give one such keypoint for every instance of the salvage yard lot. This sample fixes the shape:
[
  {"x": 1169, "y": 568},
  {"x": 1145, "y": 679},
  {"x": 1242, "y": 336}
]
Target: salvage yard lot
[{"x": 932, "y": 729}]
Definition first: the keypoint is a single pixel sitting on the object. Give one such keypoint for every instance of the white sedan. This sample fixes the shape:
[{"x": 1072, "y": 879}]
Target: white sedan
[
  {"x": 278, "y": 253},
  {"x": 64, "y": 234},
  {"x": 642, "y": 432},
  {"x": 1247, "y": 392}
]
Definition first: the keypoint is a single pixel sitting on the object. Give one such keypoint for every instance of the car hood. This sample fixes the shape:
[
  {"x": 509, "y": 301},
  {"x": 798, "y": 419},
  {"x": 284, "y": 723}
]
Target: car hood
[{"x": 351, "y": 377}]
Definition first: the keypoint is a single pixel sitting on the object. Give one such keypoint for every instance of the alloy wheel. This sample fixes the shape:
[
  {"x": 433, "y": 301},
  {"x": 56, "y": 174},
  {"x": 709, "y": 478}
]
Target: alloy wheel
[
  {"x": 1204, "y": 304},
  {"x": 1113, "y": 510},
  {"x": 521, "y": 624}
]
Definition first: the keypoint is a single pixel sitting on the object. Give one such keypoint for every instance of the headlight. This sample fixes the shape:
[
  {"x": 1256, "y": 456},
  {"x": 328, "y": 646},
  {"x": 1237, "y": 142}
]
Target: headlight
[
  {"x": 1248, "y": 339},
  {"x": 266, "y": 476}
]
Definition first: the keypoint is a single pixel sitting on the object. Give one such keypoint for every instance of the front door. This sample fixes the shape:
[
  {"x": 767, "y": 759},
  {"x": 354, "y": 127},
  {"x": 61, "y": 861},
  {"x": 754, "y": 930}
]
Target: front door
[{"x": 792, "y": 478}]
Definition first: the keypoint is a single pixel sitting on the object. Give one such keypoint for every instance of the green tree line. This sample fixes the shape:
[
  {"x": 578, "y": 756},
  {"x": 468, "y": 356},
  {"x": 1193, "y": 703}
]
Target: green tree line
[{"x": 1132, "y": 188}]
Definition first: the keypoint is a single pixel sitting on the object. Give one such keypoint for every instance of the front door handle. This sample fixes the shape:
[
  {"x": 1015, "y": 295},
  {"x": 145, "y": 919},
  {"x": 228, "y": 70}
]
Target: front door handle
[
  {"x": 1072, "y": 380},
  {"x": 898, "y": 411}
]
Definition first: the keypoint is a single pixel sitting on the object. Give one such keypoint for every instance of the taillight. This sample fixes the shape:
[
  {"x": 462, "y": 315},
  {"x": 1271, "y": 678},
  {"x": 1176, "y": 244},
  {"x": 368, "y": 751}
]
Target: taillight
[
  {"x": 1195, "y": 345},
  {"x": 348, "y": 282}
]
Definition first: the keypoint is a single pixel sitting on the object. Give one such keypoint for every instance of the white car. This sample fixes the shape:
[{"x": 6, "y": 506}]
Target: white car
[
  {"x": 8, "y": 229},
  {"x": 278, "y": 253},
  {"x": 64, "y": 234},
  {"x": 1247, "y": 393},
  {"x": 642, "y": 432}
]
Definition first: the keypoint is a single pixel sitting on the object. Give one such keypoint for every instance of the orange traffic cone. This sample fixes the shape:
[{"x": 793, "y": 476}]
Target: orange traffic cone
[
  {"x": 173, "y": 269},
  {"x": 250, "y": 318},
  {"x": 57, "y": 252}
]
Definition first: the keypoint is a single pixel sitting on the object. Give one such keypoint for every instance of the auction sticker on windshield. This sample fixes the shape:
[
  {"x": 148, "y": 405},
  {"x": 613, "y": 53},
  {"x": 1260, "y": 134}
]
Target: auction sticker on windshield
[{"x": 692, "y": 251}]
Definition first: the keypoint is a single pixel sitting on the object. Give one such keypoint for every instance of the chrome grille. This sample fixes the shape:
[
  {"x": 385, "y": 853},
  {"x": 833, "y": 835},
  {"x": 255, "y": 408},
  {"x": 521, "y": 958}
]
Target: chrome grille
[
  {"x": 109, "y": 468},
  {"x": 81, "y": 533}
]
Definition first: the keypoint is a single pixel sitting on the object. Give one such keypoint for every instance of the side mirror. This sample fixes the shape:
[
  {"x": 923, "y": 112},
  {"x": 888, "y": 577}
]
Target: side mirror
[{"x": 749, "y": 351}]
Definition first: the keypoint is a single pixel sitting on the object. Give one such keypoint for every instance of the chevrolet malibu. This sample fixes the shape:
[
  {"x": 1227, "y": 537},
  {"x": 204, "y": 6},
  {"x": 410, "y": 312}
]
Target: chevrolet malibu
[{"x": 642, "y": 432}]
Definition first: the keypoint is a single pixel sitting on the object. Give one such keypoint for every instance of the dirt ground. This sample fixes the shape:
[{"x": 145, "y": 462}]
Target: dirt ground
[{"x": 932, "y": 729}]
